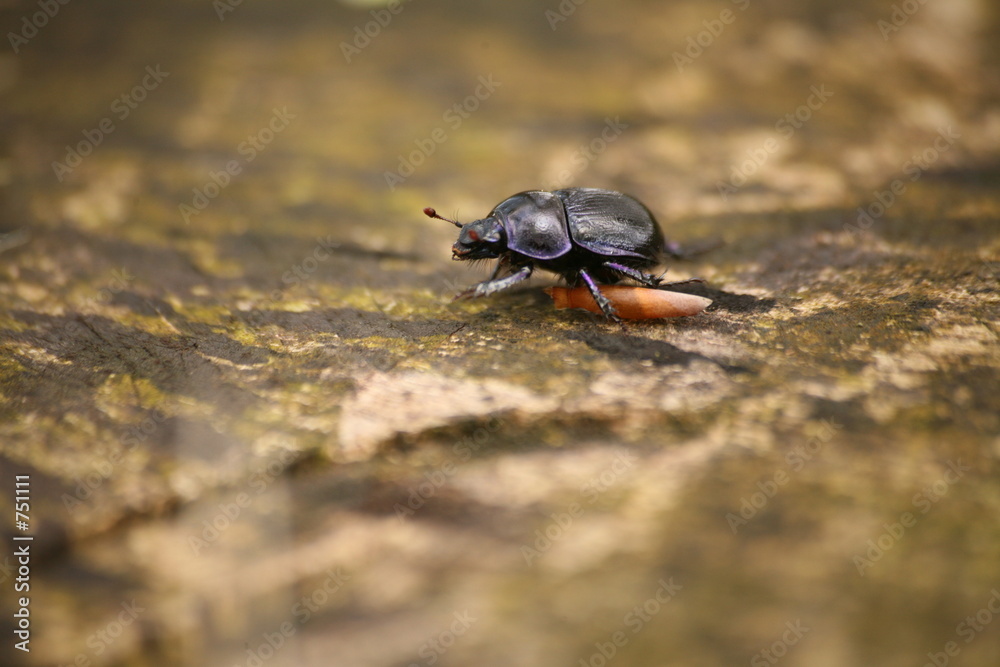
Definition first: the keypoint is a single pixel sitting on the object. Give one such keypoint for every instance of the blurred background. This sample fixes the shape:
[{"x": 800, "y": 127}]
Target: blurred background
[{"x": 258, "y": 434}]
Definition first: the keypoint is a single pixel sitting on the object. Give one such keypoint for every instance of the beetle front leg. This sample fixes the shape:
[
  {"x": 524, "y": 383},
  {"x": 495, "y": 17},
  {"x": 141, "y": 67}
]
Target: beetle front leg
[
  {"x": 501, "y": 265},
  {"x": 635, "y": 274},
  {"x": 490, "y": 286},
  {"x": 602, "y": 301}
]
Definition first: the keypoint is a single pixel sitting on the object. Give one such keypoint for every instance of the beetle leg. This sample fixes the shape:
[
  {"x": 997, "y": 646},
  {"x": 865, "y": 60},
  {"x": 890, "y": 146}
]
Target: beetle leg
[
  {"x": 602, "y": 301},
  {"x": 495, "y": 285},
  {"x": 635, "y": 274},
  {"x": 501, "y": 265}
]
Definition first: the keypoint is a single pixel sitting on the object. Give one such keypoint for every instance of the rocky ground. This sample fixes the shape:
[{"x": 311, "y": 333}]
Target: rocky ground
[{"x": 258, "y": 430}]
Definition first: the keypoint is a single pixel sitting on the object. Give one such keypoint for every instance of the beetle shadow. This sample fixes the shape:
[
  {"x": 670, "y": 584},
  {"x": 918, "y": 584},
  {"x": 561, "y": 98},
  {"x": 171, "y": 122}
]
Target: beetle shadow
[
  {"x": 728, "y": 301},
  {"x": 629, "y": 347}
]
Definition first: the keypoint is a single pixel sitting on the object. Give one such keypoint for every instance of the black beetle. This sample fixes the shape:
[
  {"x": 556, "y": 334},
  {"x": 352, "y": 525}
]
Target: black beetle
[{"x": 582, "y": 234}]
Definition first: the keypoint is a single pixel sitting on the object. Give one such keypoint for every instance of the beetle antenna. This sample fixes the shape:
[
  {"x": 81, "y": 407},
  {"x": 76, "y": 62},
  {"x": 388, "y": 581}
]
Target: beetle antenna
[{"x": 431, "y": 213}]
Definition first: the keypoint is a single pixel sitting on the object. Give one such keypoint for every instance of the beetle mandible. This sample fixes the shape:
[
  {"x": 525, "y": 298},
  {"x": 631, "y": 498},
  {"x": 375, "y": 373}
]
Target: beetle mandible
[{"x": 586, "y": 235}]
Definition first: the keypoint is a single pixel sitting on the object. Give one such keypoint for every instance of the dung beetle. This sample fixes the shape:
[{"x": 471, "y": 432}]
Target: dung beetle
[{"x": 586, "y": 235}]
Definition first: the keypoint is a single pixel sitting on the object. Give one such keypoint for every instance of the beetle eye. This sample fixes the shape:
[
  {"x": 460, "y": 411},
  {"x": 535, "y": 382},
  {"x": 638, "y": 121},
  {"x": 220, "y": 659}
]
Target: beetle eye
[{"x": 473, "y": 236}]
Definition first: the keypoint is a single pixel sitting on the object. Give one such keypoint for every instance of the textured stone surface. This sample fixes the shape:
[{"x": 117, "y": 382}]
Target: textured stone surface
[{"x": 263, "y": 414}]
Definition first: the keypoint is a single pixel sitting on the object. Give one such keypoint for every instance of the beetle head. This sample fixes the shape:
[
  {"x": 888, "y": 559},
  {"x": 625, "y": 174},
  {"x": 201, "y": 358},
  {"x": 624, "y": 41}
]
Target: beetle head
[{"x": 480, "y": 239}]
